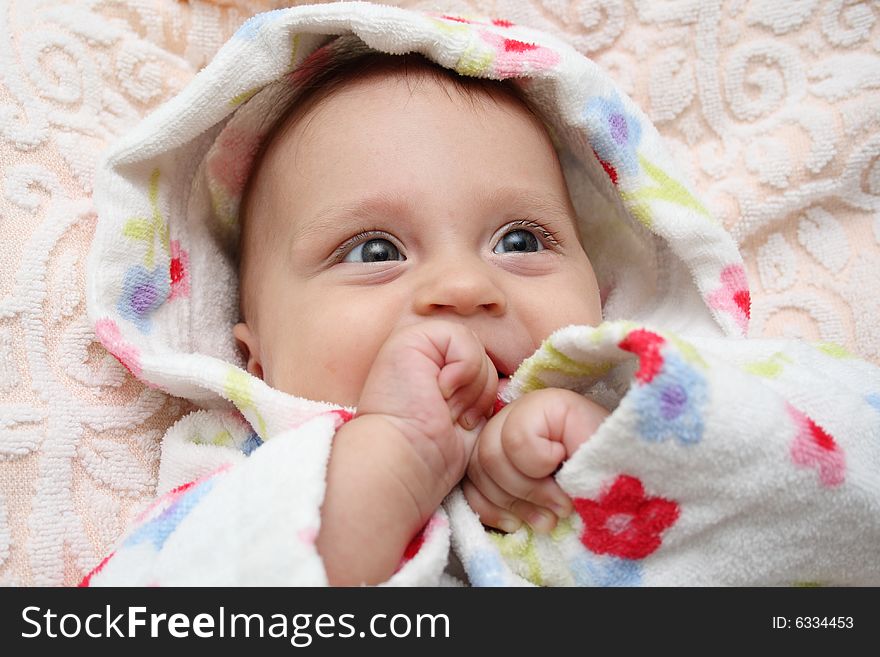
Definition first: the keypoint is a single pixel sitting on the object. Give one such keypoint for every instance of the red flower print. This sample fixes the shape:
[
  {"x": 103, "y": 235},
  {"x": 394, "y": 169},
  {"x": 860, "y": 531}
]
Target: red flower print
[
  {"x": 127, "y": 354},
  {"x": 230, "y": 158},
  {"x": 624, "y": 522},
  {"x": 743, "y": 301},
  {"x": 457, "y": 19},
  {"x": 342, "y": 416},
  {"x": 86, "y": 581},
  {"x": 813, "y": 447},
  {"x": 512, "y": 45},
  {"x": 178, "y": 270},
  {"x": 609, "y": 168},
  {"x": 418, "y": 541},
  {"x": 497, "y": 22},
  {"x": 414, "y": 545},
  {"x": 311, "y": 66},
  {"x": 646, "y": 345},
  {"x": 515, "y": 58},
  {"x": 733, "y": 295}
]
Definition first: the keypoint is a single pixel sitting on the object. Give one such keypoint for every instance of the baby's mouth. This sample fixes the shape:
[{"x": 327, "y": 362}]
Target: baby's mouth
[
  {"x": 499, "y": 369},
  {"x": 503, "y": 382}
]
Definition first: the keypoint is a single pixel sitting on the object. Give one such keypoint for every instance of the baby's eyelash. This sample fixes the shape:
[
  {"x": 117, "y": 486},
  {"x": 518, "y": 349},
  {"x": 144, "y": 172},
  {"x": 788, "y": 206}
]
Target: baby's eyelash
[
  {"x": 362, "y": 236},
  {"x": 546, "y": 233}
]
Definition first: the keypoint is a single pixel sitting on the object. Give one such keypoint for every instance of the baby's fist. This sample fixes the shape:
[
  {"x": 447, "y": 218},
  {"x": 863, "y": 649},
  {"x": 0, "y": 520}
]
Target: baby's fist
[
  {"x": 509, "y": 475},
  {"x": 434, "y": 381}
]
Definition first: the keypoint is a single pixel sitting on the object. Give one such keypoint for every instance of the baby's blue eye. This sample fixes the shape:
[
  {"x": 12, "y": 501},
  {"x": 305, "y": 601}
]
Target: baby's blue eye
[
  {"x": 375, "y": 250},
  {"x": 518, "y": 241}
]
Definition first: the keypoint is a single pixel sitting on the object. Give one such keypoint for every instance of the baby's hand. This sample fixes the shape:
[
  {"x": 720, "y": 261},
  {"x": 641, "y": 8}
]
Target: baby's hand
[
  {"x": 421, "y": 408},
  {"x": 435, "y": 384},
  {"x": 509, "y": 476}
]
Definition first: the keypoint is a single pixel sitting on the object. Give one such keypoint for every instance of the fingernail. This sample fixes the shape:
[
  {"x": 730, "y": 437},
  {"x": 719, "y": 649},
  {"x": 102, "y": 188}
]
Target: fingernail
[
  {"x": 469, "y": 420},
  {"x": 542, "y": 521},
  {"x": 509, "y": 524},
  {"x": 561, "y": 510}
]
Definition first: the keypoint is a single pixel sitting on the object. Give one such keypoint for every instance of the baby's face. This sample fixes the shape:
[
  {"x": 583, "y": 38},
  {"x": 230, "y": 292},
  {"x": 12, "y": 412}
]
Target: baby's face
[{"x": 404, "y": 201}]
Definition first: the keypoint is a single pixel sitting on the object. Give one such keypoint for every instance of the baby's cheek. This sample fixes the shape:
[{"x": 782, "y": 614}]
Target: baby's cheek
[
  {"x": 345, "y": 373},
  {"x": 581, "y": 310}
]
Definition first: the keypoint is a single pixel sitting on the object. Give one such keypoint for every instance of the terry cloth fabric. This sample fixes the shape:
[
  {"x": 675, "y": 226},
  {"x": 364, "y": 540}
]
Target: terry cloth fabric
[{"x": 725, "y": 460}]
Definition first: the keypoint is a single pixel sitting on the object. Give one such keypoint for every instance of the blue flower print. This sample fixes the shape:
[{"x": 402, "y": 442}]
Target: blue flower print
[
  {"x": 671, "y": 405},
  {"x": 252, "y": 26},
  {"x": 614, "y": 134},
  {"x": 485, "y": 569},
  {"x": 143, "y": 291},
  {"x": 253, "y": 441},
  {"x": 591, "y": 569},
  {"x": 874, "y": 400},
  {"x": 160, "y": 528}
]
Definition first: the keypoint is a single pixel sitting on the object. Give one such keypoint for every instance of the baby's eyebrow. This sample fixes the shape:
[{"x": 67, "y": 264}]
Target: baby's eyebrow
[
  {"x": 337, "y": 216},
  {"x": 543, "y": 203}
]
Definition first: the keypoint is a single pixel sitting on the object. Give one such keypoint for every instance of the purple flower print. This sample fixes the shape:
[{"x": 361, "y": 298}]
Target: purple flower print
[
  {"x": 614, "y": 135},
  {"x": 143, "y": 291},
  {"x": 672, "y": 404}
]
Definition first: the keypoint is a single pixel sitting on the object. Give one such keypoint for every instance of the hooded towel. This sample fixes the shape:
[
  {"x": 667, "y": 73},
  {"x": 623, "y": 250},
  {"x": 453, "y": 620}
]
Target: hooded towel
[{"x": 725, "y": 460}]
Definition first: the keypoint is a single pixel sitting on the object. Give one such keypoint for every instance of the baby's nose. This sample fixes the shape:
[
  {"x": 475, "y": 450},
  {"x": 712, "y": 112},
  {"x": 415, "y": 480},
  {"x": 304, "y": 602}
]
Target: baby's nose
[{"x": 465, "y": 287}]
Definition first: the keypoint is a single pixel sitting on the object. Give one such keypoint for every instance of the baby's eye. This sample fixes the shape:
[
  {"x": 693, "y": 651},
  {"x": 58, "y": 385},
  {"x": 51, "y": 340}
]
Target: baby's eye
[
  {"x": 374, "y": 250},
  {"x": 518, "y": 241}
]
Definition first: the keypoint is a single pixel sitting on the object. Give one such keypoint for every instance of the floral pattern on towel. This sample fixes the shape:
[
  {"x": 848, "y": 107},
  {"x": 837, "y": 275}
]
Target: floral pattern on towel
[
  {"x": 625, "y": 522},
  {"x": 813, "y": 447}
]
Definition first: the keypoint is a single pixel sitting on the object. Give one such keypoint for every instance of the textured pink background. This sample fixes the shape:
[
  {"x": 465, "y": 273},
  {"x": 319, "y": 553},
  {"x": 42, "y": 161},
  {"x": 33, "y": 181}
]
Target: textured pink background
[{"x": 772, "y": 108}]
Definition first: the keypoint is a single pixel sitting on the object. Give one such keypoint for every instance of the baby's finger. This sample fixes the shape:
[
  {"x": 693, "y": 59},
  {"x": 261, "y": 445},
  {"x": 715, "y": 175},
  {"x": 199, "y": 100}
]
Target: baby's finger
[
  {"x": 540, "y": 519},
  {"x": 482, "y": 408},
  {"x": 490, "y": 514},
  {"x": 493, "y": 465},
  {"x": 474, "y": 400},
  {"x": 469, "y": 436},
  {"x": 544, "y": 492},
  {"x": 461, "y": 356},
  {"x": 540, "y": 515},
  {"x": 527, "y": 446},
  {"x": 508, "y": 520}
]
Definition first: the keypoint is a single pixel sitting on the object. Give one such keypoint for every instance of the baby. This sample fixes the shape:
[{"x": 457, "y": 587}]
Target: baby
[
  {"x": 419, "y": 224},
  {"x": 358, "y": 207}
]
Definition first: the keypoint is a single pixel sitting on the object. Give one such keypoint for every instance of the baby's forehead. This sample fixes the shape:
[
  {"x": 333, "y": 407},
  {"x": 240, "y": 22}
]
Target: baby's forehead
[
  {"x": 377, "y": 72},
  {"x": 319, "y": 107}
]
